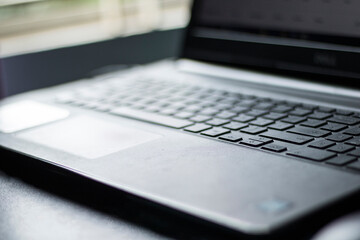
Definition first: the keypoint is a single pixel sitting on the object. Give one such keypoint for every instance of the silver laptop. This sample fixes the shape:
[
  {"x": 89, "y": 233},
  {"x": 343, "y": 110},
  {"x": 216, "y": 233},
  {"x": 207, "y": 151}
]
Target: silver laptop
[{"x": 256, "y": 126}]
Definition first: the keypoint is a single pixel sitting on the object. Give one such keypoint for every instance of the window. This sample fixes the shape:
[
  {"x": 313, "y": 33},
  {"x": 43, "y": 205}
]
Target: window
[{"x": 31, "y": 25}]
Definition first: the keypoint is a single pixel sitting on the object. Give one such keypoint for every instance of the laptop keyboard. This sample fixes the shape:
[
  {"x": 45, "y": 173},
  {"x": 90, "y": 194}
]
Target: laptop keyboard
[{"x": 320, "y": 134}]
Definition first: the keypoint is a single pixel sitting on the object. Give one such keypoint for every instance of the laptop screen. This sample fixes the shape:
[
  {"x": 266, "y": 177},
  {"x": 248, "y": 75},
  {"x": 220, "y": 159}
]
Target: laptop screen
[{"x": 311, "y": 36}]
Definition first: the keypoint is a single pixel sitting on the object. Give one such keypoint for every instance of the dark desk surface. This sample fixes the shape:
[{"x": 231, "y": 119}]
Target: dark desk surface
[{"x": 27, "y": 212}]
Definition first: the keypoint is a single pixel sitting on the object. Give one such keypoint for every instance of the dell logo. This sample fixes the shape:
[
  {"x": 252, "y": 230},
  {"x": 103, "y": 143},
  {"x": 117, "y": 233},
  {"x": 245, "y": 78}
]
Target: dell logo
[{"x": 325, "y": 59}]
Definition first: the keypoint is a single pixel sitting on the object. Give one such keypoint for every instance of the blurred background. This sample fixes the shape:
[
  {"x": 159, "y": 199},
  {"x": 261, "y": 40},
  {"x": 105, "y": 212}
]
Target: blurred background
[
  {"x": 49, "y": 42},
  {"x": 37, "y": 25}
]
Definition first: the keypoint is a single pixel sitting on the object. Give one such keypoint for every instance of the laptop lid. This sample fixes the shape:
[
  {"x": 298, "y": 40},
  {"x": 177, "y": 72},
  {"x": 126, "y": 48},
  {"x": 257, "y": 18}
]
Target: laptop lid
[{"x": 320, "y": 37}]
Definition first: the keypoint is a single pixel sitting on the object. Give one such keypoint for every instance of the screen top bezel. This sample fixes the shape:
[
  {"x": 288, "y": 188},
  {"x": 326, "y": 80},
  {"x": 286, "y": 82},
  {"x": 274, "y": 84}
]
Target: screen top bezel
[{"x": 331, "y": 64}]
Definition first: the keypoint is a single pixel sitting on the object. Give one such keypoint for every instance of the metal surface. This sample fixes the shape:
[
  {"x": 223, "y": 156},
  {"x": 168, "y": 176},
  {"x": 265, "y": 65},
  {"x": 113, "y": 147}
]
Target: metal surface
[{"x": 246, "y": 190}]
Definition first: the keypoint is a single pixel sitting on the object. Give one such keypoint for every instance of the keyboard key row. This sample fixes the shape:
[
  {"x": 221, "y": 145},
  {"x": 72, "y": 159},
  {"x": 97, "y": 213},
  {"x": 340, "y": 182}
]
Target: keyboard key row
[
  {"x": 287, "y": 137},
  {"x": 333, "y": 134},
  {"x": 151, "y": 117}
]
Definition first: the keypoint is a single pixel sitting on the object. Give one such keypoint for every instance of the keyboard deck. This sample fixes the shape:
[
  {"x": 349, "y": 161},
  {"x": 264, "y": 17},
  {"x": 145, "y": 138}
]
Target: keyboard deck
[{"x": 320, "y": 134}]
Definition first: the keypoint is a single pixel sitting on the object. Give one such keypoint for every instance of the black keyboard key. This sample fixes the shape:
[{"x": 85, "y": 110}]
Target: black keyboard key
[
  {"x": 264, "y": 106},
  {"x": 341, "y": 160},
  {"x": 354, "y": 131},
  {"x": 313, "y": 123},
  {"x": 320, "y": 115},
  {"x": 341, "y": 148},
  {"x": 287, "y": 137},
  {"x": 225, "y": 114},
  {"x": 252, "y": 143},
  {"x": 293, "y": 119},
  {"x": 238, "y": 109},
  {"x": 344, "y": 120},
  {"x": 232, "y": 137},
  {"x": 256, "y": 112},
  {"x": 292, "y": 104},
  {"x": 280, "y": 126},
  {"x": 356, "y": 114},
  {"x": 215, "y": 132},
  {"x": 355, "y": 141},
  {"x": 309, "y": 131},
  {"x": 322, "y": 144},
  {"x": 261, "y": 139},
  {"x": 278, "y": 102},
  {"x": 326, "y": 109},
  {"x": 217, "y": 122},
  {"x": 274, "y": 147},
  {"x": 198, "y": 128},
  {"x": 253, "y": 130},
  {"x": 334, "y": 127},
  {"x": 235, "y": 125},
  {"x": 344, "y": 112},
  {"x": 261, "y": 122},
  {"x": 228, "y": 101},
  {"x": 244, "y": 96},
  {"x": 312, "y": 154},
  {"x": 338, "y": 137},
  {"x": 151, "y": 117},
  {"x": 200, "y": 118},
  {"x": 275, "y": 116},
  {"x": 243, "y": 118},
  {"x": 264, "y": 99},
  {"x": 210, "y": 98},
  {"x": 282, "y": 109},
  {"x": 309, "y": 106},
  {"x": 234, "y": 95},
  {"x": 355, "y": 152},
  {"x": 219, "y": 92},
  {"x": 354, "y": 166},
  {"x": 247, "y": 103},
  {"x": 300, "y": 112}
]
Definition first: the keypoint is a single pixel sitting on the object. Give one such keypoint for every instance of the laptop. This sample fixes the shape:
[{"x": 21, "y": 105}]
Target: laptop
[{"x": 255, "y": 126}]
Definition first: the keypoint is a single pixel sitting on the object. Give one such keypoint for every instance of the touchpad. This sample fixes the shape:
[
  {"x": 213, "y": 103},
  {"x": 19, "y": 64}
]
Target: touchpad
[{"x": 88, "y": 137}]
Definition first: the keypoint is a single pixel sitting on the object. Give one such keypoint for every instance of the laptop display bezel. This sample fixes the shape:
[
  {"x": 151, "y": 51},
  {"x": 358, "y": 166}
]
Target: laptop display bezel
[{"x": 325, "y": 65}]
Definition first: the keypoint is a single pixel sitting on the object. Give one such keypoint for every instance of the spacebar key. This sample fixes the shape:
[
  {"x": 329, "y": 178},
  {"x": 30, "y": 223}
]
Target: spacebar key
[
  {"x": 151, "y": 117},
  {"x": 286, "y": 137}
]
